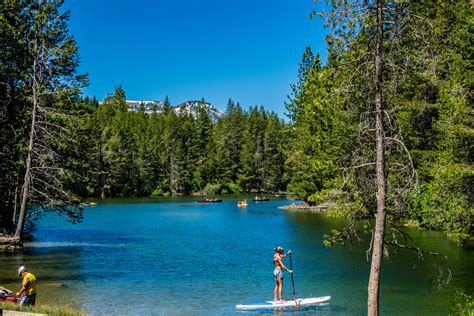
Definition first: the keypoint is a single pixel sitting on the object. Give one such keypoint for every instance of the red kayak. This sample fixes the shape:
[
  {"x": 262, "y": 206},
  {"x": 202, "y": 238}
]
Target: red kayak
[{"x": 209, "y": 201}]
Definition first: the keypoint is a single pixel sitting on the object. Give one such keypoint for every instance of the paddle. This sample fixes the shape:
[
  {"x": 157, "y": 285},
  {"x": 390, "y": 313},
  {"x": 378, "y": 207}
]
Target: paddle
[{"x": 293, "y": 282}]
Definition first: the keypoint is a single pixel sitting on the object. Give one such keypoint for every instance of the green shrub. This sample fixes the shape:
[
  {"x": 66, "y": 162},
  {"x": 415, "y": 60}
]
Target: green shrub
[
  {"x": 435, "y": 209},
  {"x": 211, "y": 188},
  {"x": 160, "y": 192},
  {"x": 463, "y": 304},
  {"x": 43, "y": 309},
  {"x": 235, "y": 188}
]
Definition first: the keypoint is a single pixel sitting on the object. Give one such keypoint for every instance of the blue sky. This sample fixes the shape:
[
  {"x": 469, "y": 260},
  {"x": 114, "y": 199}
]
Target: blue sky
[{"x": 247, "y": 50}]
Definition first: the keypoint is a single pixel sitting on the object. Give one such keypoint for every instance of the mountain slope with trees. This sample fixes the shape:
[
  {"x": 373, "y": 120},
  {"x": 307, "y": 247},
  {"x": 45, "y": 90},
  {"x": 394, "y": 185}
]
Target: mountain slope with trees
[{"x": 132, "y": 153}]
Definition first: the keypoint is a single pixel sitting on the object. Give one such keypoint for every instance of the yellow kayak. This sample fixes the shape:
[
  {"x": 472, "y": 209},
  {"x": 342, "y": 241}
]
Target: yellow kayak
[{"x": 242, "y": 204}]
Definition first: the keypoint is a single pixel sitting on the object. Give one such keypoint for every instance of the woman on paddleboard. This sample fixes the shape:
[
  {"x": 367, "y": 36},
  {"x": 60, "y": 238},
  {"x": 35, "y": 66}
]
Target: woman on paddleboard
[{"x": 278, "y": 272}]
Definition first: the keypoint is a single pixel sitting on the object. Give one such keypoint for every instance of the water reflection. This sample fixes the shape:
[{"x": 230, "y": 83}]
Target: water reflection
[{"x": 417, "y": 280}]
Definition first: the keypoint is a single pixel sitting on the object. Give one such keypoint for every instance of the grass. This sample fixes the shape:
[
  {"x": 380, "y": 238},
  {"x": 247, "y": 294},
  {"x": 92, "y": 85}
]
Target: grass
[
  {"x": 463, "y": 304},
  {"x": 43, "y": 309}
]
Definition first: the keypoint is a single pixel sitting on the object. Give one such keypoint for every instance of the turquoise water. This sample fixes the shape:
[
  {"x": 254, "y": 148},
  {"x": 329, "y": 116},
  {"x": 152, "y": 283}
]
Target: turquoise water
[{"x": 177, "y": 257}]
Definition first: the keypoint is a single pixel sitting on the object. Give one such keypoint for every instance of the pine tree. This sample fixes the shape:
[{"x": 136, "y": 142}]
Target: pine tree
[
  {"x": 273, "y": 157},
  {"x": 358, "y": 41},
  {"x": 53, "y": 85},
  {"x": 234, "y": 128},
  {"x": 166, "y": 105},
  {"x": 14, "y": 62}
]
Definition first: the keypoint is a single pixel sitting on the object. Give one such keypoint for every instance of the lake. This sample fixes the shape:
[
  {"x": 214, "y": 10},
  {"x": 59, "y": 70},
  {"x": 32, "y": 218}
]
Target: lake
[{"x": 177, "y": 257}]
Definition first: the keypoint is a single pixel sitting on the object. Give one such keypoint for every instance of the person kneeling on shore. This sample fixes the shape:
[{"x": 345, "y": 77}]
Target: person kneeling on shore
[{"x": 28, "y": 288}]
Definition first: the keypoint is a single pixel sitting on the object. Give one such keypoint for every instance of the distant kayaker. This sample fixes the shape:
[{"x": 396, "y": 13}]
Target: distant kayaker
[
  {"x": 28, "y": 287},
  {"x": 278, "y": 272}
]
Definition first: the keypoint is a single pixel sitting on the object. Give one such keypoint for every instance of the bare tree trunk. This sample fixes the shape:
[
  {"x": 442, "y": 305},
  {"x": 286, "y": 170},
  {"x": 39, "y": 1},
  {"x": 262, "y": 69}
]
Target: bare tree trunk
[
  {"x": 100, "y": 178},
  {"x": 378, "y": 238},
  {"x": 27, "y": 180},
  {"x": 15, "y": 206},
  {"x": 172, "y": 171}
]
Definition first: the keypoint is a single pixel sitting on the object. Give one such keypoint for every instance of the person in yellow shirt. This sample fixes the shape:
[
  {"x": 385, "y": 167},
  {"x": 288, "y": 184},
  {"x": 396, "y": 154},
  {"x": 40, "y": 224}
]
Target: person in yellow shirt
[{"x": 28, "y": 287}]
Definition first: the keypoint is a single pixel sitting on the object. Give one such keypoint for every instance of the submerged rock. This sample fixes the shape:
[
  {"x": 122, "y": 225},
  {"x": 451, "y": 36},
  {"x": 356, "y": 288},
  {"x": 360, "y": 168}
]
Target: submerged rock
[{"x": 57, "y": 285}]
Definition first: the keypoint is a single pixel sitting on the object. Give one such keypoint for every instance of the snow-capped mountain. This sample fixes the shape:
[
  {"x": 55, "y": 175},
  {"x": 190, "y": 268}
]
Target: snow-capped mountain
[
  {"x": 191, "y": 107},
  {"x": 148, "y": 106}
]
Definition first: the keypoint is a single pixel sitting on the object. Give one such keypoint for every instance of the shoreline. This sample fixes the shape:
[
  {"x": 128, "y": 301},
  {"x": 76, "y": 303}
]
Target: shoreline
[
  {"x": 9, "y": 244},
  {"x": 293, "y": 207}
]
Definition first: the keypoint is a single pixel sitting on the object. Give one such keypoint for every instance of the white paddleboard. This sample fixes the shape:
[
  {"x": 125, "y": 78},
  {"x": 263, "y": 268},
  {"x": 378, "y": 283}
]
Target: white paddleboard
[{"x": 272, "y": 304}]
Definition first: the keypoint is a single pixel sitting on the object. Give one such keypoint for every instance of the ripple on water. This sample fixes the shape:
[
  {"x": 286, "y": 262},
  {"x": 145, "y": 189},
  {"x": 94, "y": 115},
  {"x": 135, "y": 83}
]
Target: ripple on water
[{"x": 177, "y": 257}]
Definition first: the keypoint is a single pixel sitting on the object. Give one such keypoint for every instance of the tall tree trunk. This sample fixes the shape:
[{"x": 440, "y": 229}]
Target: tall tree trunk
[
  {"x": 27, "y": 180},
  {"x": 100, "y": 180},
  {"x": 15, "y": 206},
  {"x": 378, "y": 238}
]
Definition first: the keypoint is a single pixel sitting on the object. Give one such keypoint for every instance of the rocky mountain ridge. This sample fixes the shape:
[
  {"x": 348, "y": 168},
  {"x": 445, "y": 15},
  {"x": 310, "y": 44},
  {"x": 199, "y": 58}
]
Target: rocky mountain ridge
[{"x": 191, "y": 107}]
